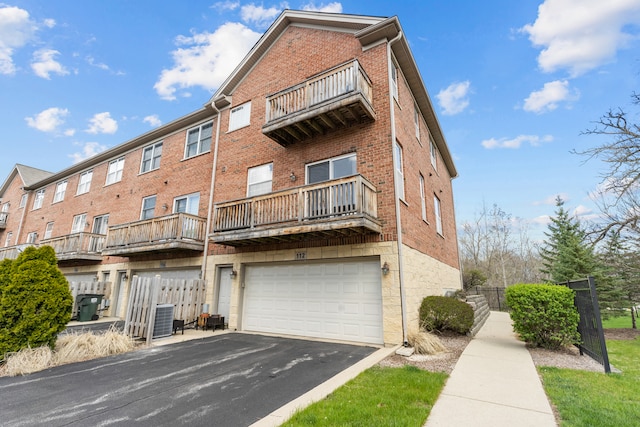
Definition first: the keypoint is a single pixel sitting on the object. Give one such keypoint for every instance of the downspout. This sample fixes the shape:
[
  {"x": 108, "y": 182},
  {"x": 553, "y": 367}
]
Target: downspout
[
  {"x": 203, "y": 270},
  {"x": 403, "y": 302}
]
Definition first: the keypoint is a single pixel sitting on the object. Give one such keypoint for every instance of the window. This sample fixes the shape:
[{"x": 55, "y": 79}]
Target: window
[
  {"x": 7, "y": 241},
  {"x": 151, "y": 157},
  {"x": 23, "y": 200},
  {"x": 100, "y": 224},
  {"x": 423, "y": 199},
  {"x": 416, "y": 119},
  {"x": 148, "y": 207},
  {"x": 84, "y": 184},
  {"x": 198, "y": 140},
  {"x": 5, "y": 207},
  {"x": 187, "y": 204},
  {"x": 259, "y": 180},
  {"x": 32, "y": 238},
  {"x": 114, "y": 174},
  {"x": 37, "y": 203},
  {"x": 61, "y": 188},
  {"x": 436, "y": 209},
  {"x": 240, "y": 116},
  {"x": 398, "y": 166},
  {"x": 48, "y": 230},
  {"x": 79, "y": 222},
  {"x": 434, "y": 152},
  {"x": 335, "y": 168},
  {"x": 394, "y": 81}
]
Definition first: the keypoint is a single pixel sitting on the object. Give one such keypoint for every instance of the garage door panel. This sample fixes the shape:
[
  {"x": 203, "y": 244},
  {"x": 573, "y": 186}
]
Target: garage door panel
[{"x": 336, "y": 300}]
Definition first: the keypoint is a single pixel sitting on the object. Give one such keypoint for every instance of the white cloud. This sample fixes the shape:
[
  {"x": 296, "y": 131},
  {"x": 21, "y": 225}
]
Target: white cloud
[
  {"x": 223, "y": 6},
  {"x": 48, "y": 120},
  {"x": 334, "y": 7},
  {"x": 206, "y": 59},
  {"x": 49, "y": 23},
  {"x": 533, "y": 140},
  {"x": 89, "y": 149},
  {"x": 549, "y": 96},
  {"x": 580, "y": 35},
  {"x": 454, "y": 99},
  {"x": 16, "y": 30},
  {"x": 153, "y": 120},
  {"x": 44, "y": 63},
  {"x": 542, "y": 220},
  {"x": 551, "y": 200},
  {"x": 260, "y": 16},
  {"x": 102, "y": 123}
]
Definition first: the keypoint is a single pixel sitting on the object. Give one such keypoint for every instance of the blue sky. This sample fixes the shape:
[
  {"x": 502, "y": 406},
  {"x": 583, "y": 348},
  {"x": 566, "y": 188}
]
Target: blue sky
[{"x": 514, "y": 83}]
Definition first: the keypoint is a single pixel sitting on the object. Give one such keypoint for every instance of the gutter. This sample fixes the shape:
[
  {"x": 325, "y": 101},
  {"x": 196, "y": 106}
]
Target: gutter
[
  {"x": 203, "y": 268},
  {"x": 403, "y": 299}
]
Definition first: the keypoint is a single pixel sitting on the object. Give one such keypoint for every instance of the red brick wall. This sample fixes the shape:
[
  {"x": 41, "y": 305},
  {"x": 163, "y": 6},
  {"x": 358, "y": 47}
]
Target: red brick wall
[{"x": 12, "y": 195}]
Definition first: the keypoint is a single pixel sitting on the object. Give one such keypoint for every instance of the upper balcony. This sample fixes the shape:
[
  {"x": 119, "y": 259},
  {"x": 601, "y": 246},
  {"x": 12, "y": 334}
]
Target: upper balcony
[
  {"x": 3, "y": 219},
  {"x": 175, "y": 232},
  {"x": 334, "y": 99},
  {"x": 77, "y": 246},
  {"x": 338, "y": 208}
]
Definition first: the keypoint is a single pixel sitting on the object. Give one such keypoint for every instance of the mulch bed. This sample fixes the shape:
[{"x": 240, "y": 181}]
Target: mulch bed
[{"x": 621, "y": 333}]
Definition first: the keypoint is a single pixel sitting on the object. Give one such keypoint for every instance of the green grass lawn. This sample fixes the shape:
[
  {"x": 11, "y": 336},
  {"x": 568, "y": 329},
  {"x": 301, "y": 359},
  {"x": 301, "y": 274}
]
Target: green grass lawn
[
  {"x": 617, "y": 322},
  {"x": 377, "y": 397},
  {"x": 597, "y": 399}
]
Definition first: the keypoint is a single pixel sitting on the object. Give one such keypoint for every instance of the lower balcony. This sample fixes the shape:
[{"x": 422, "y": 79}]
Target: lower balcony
[
  {"x": 12, "y": 252},
  {"x": 339, "y": 208},
  {"x": 3, "y": 220},
  {"x": 170, "y": 233},
  {"x": 77, "y": 246}
]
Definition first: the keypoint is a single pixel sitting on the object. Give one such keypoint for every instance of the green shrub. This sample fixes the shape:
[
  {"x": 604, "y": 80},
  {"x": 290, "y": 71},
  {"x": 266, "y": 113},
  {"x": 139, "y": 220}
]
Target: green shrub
[
  {"x": 544, "y": 315},
  {"x": 440, "y": 314},
  {"x": 35, "y": 300}
]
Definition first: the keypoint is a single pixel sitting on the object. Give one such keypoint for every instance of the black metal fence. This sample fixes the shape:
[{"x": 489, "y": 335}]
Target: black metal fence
[
  {"x": 590, "y": 326},
  {"x": 495, "y": 297}
]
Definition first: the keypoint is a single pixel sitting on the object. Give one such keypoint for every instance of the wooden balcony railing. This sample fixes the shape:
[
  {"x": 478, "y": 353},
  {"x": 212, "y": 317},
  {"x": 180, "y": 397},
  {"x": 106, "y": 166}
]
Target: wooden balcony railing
[
  {"x": 12, "y": 252},
  {"x": 170, "y": 232},
  {"x": 3, "y": 219},
  {"x": 77, "y": 246},
  {"x": 333, "y": 99},
  {"x": 346, "y": 204}
]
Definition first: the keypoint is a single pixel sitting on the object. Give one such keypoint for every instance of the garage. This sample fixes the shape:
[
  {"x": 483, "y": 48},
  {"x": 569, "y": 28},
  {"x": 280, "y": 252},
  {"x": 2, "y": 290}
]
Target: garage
[{"x": 339, "y": 300}]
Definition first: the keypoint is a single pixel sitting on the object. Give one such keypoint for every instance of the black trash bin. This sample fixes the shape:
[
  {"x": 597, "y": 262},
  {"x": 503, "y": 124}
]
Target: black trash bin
[{"x": 88, "y": 306}]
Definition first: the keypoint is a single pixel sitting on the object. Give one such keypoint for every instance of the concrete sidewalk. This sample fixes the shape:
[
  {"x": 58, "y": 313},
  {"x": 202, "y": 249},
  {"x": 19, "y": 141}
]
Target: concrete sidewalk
[{"x": 494, "y": 383}]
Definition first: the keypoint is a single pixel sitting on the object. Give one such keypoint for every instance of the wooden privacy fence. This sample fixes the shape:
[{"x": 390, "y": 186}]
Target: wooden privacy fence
[
  {"x": 186, "y": 296},
  {"x": 93, "y": 287}
]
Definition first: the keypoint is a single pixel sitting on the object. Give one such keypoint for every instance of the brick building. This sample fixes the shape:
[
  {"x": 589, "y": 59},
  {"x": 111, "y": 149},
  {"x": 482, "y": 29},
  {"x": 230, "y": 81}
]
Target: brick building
[{"x": 312, "y": 191}]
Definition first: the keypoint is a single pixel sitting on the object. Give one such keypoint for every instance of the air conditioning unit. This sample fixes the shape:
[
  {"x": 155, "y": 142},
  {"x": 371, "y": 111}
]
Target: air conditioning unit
[{"x": 164, "y": 321}]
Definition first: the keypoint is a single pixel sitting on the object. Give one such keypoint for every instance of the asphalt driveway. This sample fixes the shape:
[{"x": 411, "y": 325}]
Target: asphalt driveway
[{"x": 227, "y": 380}]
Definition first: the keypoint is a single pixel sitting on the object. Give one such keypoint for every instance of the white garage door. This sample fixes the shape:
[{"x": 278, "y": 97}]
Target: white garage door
[{"x": 335, "y": 300}]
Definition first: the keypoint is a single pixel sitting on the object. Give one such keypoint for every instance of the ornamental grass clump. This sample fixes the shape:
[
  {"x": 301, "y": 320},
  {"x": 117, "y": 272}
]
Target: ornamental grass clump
[
  {"x": 425, "y": 343},
  {"x": 544, "y": 315}
]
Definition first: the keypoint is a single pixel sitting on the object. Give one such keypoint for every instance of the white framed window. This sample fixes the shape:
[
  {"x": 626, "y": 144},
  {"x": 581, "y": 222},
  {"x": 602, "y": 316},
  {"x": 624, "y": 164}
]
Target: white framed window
[
  {"x": 32, "y": 238},
  {"x": 148, "y": 207},
  {"x": 198, "y": 140},
  {"x": 259, "y": 180},
  {"x": 7, "y": 240},
  {"x": 23, "y": 200},
  {"x": 416, "y": 120},
  {"x": 79, "y": 222},
  {"x": 399, "y": 170},
  {"x": 114, "y": 173},
  {"x": 240, "y": 116},
  {"x": 394, "y": 81},
  {"x": 151, "y": 157},
  {"x": 337, "y": 167},
  {"x": 37, "y": 202},
  {"x": 423, "y": 199},
  {"x": 100, "y": 224},
  {"x": 438, "y": 213},
  {"x": 433, "y": 150},
  {"x": 187, "y": 204},
  {"x": 48, "y": 231},
  {"x": 84, "y": 183},
  {"x": 61, "y": 188},
  {"x": 5, "y": 207}
]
